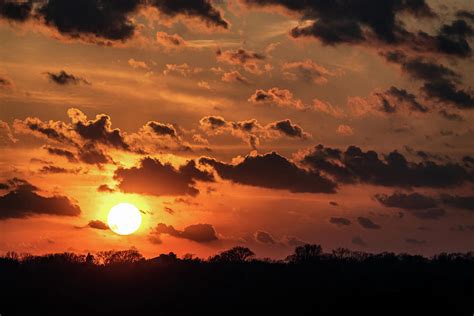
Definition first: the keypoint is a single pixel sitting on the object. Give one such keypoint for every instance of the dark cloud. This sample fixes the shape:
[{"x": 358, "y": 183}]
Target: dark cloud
[
  {"x": 202, "y": 9},
  {"x": 170, "y": 40},
  {"x": 294, "y": 241},
  {"x": 359, "y": 241},
  {"x": 264, "y": 237},
  {"x": 452, "y": 39},
  {"x": 350, "y": 21},
  {"x": 155, "y": 178},
  {"x": 276, "y": 96},
  {"x": 90, "y": 154},
  {"x": 289, "y": 129},
  {"x": 57, "y": 131},
  {"x": 400, "y": 97},
  {"x": 105, "y": 188},
  {"x": 394, "y": 170},
  {"x": 55, "y": 170},
  {"x": 461, "y": 202},
  {"x": 272, "y": 171},
  {"x": 101, "y": 21},
  {"x": 367, "y": 223},
  {"x": 23, "y": 201},
  {"x": 98, "y": 224},
  {"x": 377, "y": 24},
  {"x": 339, "y": 221},
  {"x": 99, "y": 130},
  {"x": 249, "y": 60},
  {"x": 451, "y": 116},
  {"x": 5, "y": 83},
  {"x": 333, "y": 203},
  {"x": 63, "y": 78},
  {"x": 15, "y": 10},
  {"x": 440, "y": 83},
  {"x": 468, "y": 160},
  {"x": 62, "y": 153},
  {"x": 162, "y": 129},
  {"x": 201, "y": 233},
  {"x": 412, "y": 201},
  {"x": 168, "y": 210},
  {"x": 251, "y": 131},
  {"x": 429, "y": 214}
]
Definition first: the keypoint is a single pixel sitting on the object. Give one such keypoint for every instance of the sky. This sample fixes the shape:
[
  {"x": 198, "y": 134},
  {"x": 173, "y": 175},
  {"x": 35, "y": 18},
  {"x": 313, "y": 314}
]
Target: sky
[{"x": 259, "y": 123}]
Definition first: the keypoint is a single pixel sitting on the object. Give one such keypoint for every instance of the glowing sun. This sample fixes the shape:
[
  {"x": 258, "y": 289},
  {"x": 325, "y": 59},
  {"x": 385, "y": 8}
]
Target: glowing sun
[{"x": 124, "y": 219}]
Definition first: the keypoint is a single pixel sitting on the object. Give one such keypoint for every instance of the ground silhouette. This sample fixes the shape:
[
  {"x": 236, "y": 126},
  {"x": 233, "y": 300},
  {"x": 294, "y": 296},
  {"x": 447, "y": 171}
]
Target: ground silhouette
[{"x": 233, "y": 282}]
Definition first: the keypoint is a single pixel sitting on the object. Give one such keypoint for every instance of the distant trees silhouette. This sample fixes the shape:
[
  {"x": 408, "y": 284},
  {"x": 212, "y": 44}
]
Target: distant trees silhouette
[
  {"x": 234, "y": 255},
  {"x": 307, "y": 282}
]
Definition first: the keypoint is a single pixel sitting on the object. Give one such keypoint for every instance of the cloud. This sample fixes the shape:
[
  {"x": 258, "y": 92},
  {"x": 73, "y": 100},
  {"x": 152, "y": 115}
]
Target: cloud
[
  {"x": 182, "y": 70},
  {"x": 5, "y": 83},
  {"x": 344, "y": 130},
  {"x": 63, "y": 78},
  {"x": 234, "y": 76},
  {"x": 439, "y": 82},
  {"x": 400, "y": 97},
  {"x": 264, "y": 237},
  {"x": 137, "y": 64},
  {"x": 412, "y": 201},
  {"x": 251, "y": 131},
  {"x": 102, "y": 22},
  {"x": 289, "y": 129},
  {"x": 99, "y": 130},
  {"x": 276, "y": 96},
  {"x": 272, "y": 171},
  {"x": 170, "y": 41},
  {"x": 461, "y": 202},
  {"x": 155, "y": 178},
  {"x": 450, "y": 116},
  {"x": 419, "y": 205},
  {"x": 53, "y": 130},
  {"x": 15, "y": 11},
  {"x": 201, "y": 9},
  {"x": 307, "y": 71},
  {"x": 354, "y": 165},
  {"x": 98, "y": 224},
  {"x": 6, "y": 135},
  {"x": 250, "y": 61},
  {"x": 200, "y": 233},
  {"x": 429, "y": 214},
  {"x": 367, "y": 223},
  {"x": 376, "y": 24},
  {"x": 56, "y": 170},
  {"x": 61, "y": 153},
  {"x": 90, "y": 154},
  {"x": 105, "y": 188},
  {"x": 340, "y": 221},
  {"x": 162, "y": 129},
  {"x": 23, "y": 201},
  {"x": 204, "y": 85}
]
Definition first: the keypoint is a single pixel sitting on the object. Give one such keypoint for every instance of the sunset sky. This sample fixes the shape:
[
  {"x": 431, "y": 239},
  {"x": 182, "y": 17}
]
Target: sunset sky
[{"x": 260, "y": 123}]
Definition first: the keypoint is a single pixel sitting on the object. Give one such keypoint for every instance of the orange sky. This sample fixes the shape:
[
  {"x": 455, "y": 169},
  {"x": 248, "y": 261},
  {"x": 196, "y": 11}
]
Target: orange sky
[{"x": 210, "y": 113}]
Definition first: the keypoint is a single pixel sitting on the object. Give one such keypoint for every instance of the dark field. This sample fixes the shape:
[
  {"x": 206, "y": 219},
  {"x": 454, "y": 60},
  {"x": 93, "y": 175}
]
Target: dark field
[{"x": 307, "y": 283}]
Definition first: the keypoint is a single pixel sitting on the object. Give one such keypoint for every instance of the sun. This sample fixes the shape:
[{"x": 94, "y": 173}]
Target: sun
[{"x": 124, "y": 219}]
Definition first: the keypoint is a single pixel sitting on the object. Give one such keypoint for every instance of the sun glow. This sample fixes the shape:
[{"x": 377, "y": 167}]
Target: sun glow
[{"x": 124, "y": 219}]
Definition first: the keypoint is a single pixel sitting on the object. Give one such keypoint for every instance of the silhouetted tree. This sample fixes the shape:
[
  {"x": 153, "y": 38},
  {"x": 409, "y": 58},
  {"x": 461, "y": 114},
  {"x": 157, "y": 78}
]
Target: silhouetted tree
[
  {"x": 234, "y": 255},
  {"x": 119, "y": 257},
  {"x": 306, "y": 254}
]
